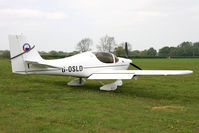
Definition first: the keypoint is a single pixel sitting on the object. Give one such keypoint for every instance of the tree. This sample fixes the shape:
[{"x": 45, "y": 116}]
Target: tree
[
  {"x": 119, "y": 51},
  {"x": 129, "y": 45},
  {"x": 107, "y": 44},
  {"x": 173, "y": 51},
  {"x": 62, "y": 53},
  {"x": 6, "y": 54},
  {"x": 185, "y": 49},
  {"x": 53, "y": 53},
  {"x": 151, "y": 52},
  {"x": 135, "y": 53},
  {"x": 143, "y": 53},
  {"x": 84, "y": 45},
  {"x": 42, "y": 53},
  {"x": 196, "y": 49},
  {"x": 180, "y": 51},
  {"x": 164, "y": 51}
]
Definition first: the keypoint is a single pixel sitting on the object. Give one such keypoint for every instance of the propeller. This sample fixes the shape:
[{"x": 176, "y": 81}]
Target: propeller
[
  {"x": 126, "y": 50},
  {"x": 127, "y": 55},
  {"x": 136, "y": 66}
]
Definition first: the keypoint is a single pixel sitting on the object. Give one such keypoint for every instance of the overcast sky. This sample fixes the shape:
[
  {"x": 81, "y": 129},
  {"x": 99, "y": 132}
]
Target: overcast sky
[{"x": 61, "y": 24}]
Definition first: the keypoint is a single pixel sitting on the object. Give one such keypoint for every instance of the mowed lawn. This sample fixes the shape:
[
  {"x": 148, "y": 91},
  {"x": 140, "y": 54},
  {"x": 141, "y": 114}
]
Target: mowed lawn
[{"x": 151, "y": 104}]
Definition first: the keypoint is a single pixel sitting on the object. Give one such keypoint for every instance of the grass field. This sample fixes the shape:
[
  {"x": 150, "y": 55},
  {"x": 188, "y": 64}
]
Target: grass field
[{"x": 152, "y": 104}]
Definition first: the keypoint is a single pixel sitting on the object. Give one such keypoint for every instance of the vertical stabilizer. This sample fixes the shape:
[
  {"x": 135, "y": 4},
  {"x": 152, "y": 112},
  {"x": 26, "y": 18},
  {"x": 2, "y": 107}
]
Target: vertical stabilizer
[{"x": 20, "y": 51}]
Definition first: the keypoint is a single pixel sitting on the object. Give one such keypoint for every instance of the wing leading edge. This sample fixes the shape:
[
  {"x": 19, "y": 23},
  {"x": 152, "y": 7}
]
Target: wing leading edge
[{"x": 128, "y": 74}]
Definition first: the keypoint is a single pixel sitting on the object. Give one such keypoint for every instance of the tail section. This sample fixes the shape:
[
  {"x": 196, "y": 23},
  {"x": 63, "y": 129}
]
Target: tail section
[{"x": 20, "y": 51}]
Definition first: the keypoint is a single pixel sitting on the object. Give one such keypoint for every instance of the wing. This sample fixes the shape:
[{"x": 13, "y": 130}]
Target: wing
[{"x": 128, "y": 74}]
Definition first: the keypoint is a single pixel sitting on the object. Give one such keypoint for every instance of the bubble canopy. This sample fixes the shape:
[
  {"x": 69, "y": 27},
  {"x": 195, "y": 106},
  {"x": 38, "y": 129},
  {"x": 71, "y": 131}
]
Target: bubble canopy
[{"x": 106, "y": 57}]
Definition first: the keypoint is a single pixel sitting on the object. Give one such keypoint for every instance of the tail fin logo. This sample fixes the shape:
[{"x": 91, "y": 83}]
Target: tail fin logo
[{"x": 26, "y": 47}]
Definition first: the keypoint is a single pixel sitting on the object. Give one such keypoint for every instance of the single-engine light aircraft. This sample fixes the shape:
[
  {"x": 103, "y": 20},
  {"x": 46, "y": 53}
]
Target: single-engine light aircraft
[{"x": 92, "y": 65}]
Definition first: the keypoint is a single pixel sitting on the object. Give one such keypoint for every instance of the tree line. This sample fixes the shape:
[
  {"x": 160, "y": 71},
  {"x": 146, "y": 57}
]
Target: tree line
[{"x": 108, "y": 44}]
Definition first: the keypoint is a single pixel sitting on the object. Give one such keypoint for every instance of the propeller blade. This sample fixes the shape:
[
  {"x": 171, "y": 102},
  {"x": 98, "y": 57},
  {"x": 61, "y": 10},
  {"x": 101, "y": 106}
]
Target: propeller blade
[
  {"x": 126, "y": 50},
  {"x": 135, "y": 66}
]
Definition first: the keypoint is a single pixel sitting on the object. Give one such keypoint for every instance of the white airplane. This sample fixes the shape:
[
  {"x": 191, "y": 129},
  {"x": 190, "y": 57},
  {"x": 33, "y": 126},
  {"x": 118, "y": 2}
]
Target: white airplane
[{"x": 92, "y": 65}]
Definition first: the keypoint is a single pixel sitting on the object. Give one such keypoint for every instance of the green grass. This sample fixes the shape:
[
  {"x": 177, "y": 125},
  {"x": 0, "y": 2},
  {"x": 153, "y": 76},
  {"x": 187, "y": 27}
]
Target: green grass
[{"x": 152, "y": 104}]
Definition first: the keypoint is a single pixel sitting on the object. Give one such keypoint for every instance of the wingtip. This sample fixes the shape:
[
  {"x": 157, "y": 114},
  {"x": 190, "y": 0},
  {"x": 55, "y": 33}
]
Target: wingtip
[{"x": 188, "y": 72}]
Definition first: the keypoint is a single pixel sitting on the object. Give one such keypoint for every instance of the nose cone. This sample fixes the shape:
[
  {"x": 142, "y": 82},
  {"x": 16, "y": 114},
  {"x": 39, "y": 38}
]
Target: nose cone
[
  {"x": 126, "y": 61},
  {"x": 129, "y": 60}
]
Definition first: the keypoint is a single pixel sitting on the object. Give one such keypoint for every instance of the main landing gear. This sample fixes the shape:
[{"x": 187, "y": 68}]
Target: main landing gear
[
  {"x": 106, "y": 87},
  {"x": 111, "y": 86},
  {"x": 77, "y": 82}
]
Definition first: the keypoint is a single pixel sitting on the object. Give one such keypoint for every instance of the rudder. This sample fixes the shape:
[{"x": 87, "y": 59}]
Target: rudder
[{"x": 21, "y": 50}]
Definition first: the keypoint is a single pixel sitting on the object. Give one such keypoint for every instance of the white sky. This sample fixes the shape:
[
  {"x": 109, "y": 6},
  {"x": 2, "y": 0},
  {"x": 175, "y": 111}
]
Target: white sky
[{"x": 61, "y": 24}]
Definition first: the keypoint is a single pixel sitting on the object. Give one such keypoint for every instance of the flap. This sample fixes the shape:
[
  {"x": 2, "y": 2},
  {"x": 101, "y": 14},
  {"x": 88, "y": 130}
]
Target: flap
[{"x": 111, "y": 76}]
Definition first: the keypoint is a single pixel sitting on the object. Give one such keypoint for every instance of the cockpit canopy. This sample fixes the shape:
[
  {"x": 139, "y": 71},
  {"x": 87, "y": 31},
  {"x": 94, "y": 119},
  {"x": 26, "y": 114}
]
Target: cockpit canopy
[{"x": 106, "y": 57}]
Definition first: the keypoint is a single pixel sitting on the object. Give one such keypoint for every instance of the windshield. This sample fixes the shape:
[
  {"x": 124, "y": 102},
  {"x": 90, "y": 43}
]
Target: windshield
[
  {"x": 116, "y": 59},
  {"x": 104, "y": 57}
]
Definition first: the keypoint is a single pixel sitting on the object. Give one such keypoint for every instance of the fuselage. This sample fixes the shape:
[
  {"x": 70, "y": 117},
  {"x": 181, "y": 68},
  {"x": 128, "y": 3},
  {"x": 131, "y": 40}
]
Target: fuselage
[
  {"x": 82, "y": 65},
  {"x": 25, "y": 59}
]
